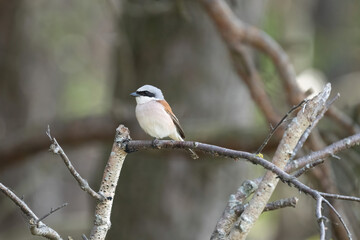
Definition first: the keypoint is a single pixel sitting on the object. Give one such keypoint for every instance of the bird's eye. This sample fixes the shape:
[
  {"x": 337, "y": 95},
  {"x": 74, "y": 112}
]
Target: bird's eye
[{"x": 145, "y": 93}]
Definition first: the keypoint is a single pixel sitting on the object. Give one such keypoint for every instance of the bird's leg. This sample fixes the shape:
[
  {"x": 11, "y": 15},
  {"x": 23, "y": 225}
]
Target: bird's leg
[{"x": 155, "y": 143}]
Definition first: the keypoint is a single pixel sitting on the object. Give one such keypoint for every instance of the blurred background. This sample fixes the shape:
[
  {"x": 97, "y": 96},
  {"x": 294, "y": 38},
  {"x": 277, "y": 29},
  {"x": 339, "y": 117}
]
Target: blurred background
[{"x": 73, "y": 64}]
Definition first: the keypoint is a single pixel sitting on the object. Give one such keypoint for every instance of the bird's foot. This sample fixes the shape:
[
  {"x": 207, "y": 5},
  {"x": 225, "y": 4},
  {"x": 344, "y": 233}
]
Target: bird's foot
[{"x": 155, "y": 143}]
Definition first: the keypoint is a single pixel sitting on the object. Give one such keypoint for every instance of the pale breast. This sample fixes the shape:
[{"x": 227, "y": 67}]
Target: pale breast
[{"x": 154, "y": 120}]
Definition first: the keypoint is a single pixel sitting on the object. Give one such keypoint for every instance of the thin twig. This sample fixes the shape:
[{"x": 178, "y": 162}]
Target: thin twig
[
  {"x": 282, "y": 203},
  {"x": 320, "y": 217},
  {"x": 308, "y": 166},
  {"x": 306, "y": 134},
  {"x": 52, "y": 211},
  {"x": 329, "y": 151},
  {"x": 84, "y": 185},
  {"x": 340, "y": 218},
  {"x": 277, "y": 126},
  {"x": 341, "y": 197},
  {"x": 84, "y": 237},
  {"x": 37, "y": 227}
]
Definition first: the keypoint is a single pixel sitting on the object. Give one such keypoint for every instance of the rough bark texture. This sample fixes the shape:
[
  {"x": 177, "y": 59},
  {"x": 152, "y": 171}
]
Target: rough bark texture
[
  {"x": 109, "y": 182},
  {"x": 298, "y": 126}
]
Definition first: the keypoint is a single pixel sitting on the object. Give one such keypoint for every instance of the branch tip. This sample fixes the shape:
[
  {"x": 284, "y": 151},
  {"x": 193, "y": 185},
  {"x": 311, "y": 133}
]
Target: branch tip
[
  {"x": 48, "y": 132},
  {"x": 51, "y": 212}
]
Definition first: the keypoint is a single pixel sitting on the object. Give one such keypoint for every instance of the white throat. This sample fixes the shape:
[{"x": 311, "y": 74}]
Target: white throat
[{"x": 144, "y": 99}]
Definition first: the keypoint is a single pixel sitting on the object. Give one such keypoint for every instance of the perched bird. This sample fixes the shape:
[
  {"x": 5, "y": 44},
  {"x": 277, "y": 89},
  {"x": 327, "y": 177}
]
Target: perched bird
[{"x": 155, "y": 116}]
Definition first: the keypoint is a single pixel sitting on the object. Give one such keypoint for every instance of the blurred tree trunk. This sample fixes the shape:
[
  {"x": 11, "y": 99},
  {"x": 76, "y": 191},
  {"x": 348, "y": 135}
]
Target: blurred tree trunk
[{"x": 13, "y": 100}]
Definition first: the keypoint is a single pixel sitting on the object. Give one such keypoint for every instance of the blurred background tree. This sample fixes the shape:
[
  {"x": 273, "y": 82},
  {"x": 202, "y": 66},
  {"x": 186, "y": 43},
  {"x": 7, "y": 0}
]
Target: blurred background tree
[{"x": 72, "y": 64}]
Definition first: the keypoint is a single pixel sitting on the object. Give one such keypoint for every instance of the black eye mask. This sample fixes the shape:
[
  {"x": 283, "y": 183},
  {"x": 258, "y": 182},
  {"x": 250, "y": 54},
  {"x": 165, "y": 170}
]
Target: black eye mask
[{"x": 145, "y": 93}]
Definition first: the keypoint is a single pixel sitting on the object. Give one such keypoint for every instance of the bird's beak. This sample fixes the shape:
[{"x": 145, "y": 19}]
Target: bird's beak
[{"x": 134, "y": 94}]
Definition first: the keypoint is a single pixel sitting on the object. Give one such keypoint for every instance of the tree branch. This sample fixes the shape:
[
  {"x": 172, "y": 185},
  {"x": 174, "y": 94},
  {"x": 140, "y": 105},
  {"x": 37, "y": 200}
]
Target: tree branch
[
  {"x": 245, "y": 67},
  {"x": 84, "y": 185},
  {"x": 234, "y": 31},
  {"x": 108, "y": 185},
  {"x": 248, "y": 187},
  {"x": 328, "y": 151},
  {"x": 235, "y": 34},
  {"x": 52, "y": 211},
  {"x": 123, "y": 144},
  {"x": 340, "y": 218},
  {"x": 320, "y": 217},
  {"x": 307, "y": 132},
  {"x": 307, "y": 167},
  {"x": 37, "y": 227},
  {"x": 230, "y": 214},
  {"x": 19, "y": 147},
  {"x": 137, "y": 145},
  {"x": 278, "y": 125},
  {"x": 292, "y": 135},
  {"x": 282, "y": 203}
]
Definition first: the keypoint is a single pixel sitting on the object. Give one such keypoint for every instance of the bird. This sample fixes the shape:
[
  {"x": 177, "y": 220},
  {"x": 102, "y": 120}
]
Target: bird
[{"x": 155, "y": 116}]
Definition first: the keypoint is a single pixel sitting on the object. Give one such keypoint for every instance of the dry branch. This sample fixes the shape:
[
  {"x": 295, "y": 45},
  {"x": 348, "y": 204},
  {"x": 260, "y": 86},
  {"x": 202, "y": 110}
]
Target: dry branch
[
  {"x": 37, "y": 227},
  {"x": 52, "y": 211},
  {"x": 123, "y": 144},
  {"x": 282, "y": 203},
  {"x": 137, "y": 145},
  {"x": 307, "y": 167},
  {"x": 328, "y": 151},
  {"x": 108, "y": 185},
  {"x": 237, "y": 35},
  {"x": 340, "y": 218},
  {"x": 84, "y": 185},
  {"x": 285, "y": 151},
  {"x": 235, "y": 32},
  {"x": 310, "y": 129},
  {"x": 105, "y": 196},
  {"x": 19, "y": 147},
  {"x": 230, "y": 214}
]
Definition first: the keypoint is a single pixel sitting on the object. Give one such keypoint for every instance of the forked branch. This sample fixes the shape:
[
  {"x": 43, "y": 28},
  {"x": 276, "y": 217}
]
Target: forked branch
[
  {"x": 84, "y": 185},
  {"x": 37, "y": 227}
]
